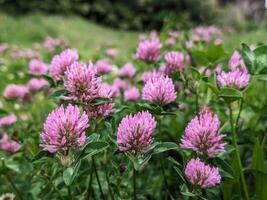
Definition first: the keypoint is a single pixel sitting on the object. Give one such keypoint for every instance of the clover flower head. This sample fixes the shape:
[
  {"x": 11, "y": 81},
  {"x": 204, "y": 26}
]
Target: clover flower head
[
  {"x": 135, "y": 132},
  {"x": 202, "y": 134},
  {"x": 159, "y": 90},
  {"x": 64, "y": 129},
  {"x": 202, "y": 175},
  {"x": 61, "y": 62}
]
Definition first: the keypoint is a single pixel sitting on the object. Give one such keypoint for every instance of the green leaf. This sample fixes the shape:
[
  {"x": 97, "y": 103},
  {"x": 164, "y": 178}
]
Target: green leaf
[
  {"x": 262, "y": 77},
  {"x": 59, "y": 93},
  {"x": 180, "y": 173},
  {"x": 248, "y": 57},
  {"x": 226, "y": 169},
  {"x": 195, "y": 73},
  {"x": 138, "y": 163},
  {"x": 94, "y": 148},
  {"x": 260, "y": 59},
  {"x": 162, "y": 147},
  {"x": 41, "y": 154},
  {"x": 258, "y": 164},
  {"x": 67, "y": 176},
  {"x": 213, "y": 88},
  {"x": 230, "y": 94},
  {"x": 258, "y": 157},
  {"x": 12, "y": 165},
  {"x": 50, "y": 80},
  {"x": 215, "y": 52},
  {"x": 199, "y": 57},
  {"x": 99, "y": 101}
]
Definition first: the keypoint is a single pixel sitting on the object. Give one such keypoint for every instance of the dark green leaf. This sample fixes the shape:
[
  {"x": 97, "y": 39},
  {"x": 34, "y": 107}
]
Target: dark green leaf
[{"x": 230, "y": 94}]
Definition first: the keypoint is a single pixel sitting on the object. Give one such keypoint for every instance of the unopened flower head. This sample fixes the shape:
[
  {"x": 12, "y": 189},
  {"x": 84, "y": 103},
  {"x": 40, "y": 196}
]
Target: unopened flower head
[
  {"x": 202, "y": 134},
  {"x": 61, "y": 62},
  {"x": 64, "y": 129},
  {"x": 135, "y": 132},
  {"x": 201, "y": 175},
  {"x": 37, "y": 67},
  {"x": 82, "y": 82},
  {"x": 159, "y": 90}
]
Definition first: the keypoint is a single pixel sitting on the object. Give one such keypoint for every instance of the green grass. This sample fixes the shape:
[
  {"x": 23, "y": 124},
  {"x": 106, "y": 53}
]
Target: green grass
[
  {"x": 80, "y": 33},
  {"x": 87, "y": 36},
  {"x": 254, "y": 36}
]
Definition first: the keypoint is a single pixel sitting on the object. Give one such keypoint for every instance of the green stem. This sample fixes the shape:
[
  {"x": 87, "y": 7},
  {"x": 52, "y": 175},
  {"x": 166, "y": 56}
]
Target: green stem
[
  {"x": 239, "y": 113},
  {"x": 90, "y": 183},
  {"x": 98, "y": 181},
  {"x": 197, "y": 103},
  {"x": 109, "y": 189},
  {"x": 14, "y": 187},
  {"x": 134, "y": 183},
  {"x": 164, "y": 177},
  {"x": 234, "y": 137},
  {"x": 69, "y": 193}
]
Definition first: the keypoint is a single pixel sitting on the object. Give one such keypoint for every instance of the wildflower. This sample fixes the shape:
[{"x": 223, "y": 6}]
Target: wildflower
[
  {"x": 106, "y": 108},
  {"x": 235, "y": 60},
  {"x": 175, "y": 34},
  {"x": 148, "y": 74},
  {"x": 9, "y": 145},
  {"x": 120, "y": 84},
  {"x": 135, "y": 132},
  {"x": 112, "y": 52},
  {"x": 82, "y": 82},
  {"x": 103, "y": 67},
  {"x": 64, "y": 129},
  {"x": 14, "y": 91},
  {"x": 159, "y": 90},
  {"x": 238, "y": 79},
  {"x": 36, "y": 84},
  {"x": 127, "y": 70},
  {"x": 37, "y": 67},
  {"x": 202, "y": 175},
  {"x": 101, "y": 110},
  {"x": 108, "y": 91},
  {"x": 174, "y": 62},
  {"x": 61, "y": 62},
  {"x": 170, "y": 41},
  {"x": 8, "y": 120},
  {"x": 149, "y": 49},
  {"x": 131, "y": 94},
  {"x": 202, "y": 134}
]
